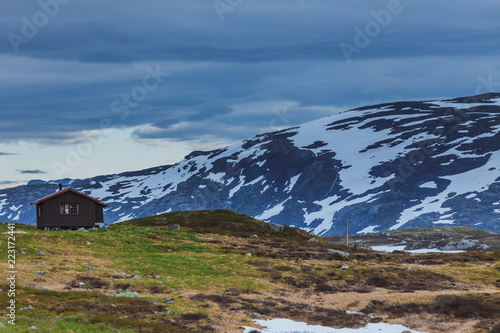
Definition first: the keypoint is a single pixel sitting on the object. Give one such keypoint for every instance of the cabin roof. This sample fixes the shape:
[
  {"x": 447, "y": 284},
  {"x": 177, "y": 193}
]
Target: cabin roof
[{"x": 66, "y": 191}]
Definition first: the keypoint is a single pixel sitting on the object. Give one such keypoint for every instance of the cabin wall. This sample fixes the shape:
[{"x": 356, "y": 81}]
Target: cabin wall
[{"x": 51, "y": 217}]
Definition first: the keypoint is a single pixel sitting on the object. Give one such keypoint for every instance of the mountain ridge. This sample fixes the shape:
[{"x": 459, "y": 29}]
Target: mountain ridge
[{"x": 383, "y": 167}]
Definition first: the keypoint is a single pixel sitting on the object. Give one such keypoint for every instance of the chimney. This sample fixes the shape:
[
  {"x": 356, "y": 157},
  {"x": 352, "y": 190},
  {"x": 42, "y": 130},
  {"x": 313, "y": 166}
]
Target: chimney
[{"x": 60, "y": 187}]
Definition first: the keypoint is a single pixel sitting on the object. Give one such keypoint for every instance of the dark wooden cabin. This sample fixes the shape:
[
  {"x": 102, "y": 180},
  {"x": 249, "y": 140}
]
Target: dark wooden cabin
[{"x": 68, "y": 209}]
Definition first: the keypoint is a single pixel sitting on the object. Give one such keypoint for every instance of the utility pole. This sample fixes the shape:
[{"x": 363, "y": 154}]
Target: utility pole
[{"x": 347, "y": 232}]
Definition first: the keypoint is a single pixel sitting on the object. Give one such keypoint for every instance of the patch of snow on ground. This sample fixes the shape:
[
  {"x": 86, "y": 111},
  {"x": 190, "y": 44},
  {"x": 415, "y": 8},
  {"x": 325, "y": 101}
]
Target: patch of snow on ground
[
  {"x": 272, "y": 211},
  {"x": 288, "y": 326},
  {"x": 431, "y": 184},
  {"x": 216, "y": 177},
  {"x": 368, "y": 230},
  {"x": 293, "y": 180},
  {"x": 241, "y": 182},
  {"x": 444, "y": 222},
  {"x": 391, "y": 248}
]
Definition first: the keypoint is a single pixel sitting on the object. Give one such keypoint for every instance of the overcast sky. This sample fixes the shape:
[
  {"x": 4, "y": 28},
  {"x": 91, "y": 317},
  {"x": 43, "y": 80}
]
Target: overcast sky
[{"x": 98, "y": 87}]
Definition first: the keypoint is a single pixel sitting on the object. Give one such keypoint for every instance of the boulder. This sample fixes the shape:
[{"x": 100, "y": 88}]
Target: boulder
[
  {"x": 125, "y": 293},
  {"x": 276, "y": 227},
  {"x": 483, "y": 247},
  {"x": 168, "y": 300},
  {"x": 448, "y": 247},
  {"x": 342, "y": 253},
  {"x": 465, "y": 244}
]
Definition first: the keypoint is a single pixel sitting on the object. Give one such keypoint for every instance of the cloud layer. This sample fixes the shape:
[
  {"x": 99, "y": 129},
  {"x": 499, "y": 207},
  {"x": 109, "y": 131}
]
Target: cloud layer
[{"x": 189, "y": 71}]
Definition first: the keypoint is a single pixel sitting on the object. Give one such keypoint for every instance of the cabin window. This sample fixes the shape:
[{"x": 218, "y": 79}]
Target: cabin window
[{"x": 70, "y": 209}]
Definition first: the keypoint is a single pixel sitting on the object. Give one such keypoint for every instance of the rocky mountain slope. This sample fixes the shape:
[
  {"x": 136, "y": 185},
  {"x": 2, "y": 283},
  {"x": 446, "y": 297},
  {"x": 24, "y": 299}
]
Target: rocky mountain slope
[{"x": 383, "y": 167}]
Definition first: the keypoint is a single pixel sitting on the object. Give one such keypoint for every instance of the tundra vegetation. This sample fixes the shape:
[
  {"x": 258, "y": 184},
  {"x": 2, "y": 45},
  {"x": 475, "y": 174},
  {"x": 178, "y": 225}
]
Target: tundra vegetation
[{"x": 222, "y": 269}]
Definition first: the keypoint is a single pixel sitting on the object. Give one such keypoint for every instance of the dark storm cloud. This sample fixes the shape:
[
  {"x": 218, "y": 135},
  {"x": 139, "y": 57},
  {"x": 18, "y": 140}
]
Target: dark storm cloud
[
  {"x": 89, "y": 59},
  {"x": 31, "y": 172},
  {"x": 8, "y": 182}
]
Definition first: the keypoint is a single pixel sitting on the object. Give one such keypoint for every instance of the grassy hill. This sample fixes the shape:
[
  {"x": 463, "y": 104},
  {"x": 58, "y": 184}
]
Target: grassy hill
[{"x": 221, "y": 267}]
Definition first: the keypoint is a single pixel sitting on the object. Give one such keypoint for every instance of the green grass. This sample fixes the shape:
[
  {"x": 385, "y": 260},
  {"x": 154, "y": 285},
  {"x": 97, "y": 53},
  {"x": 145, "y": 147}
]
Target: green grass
[{"x": 187, "y": 262}]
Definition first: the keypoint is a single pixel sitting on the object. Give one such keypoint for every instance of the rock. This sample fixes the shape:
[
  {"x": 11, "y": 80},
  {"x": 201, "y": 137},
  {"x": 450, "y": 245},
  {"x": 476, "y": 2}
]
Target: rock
[
  {"x": 29, "y": 307},
  {"x": 342, "y": 253},
  {"x": 431, "y": 246},
  {"x": 254, "y": 236},
  {"x": 2, "y": 325},
  {"x": 483, "y": 247},
  {"x": 89, "y": 266},
  {"x": 276, "y": 227},
  {"x": 42, "y": 272},
  {"x": 82, "y": 285},
  {"x": 44, "y": 288},
  {"x": 313, "y": 240},
  {"x": 248, "y": 254},
  {"x": 163, "y": 219},
  {"x": 448, "y": 247},
  {"x": 359, "y": 243},
  {"x": 409, "y": 269},
  {"x": 89, "y": 243},
  {"x": 465, "y": 245},
  {"x": 82, "y": 230},
  {"x": 344, "y": 268},
  {"x": 32, "y": 328},
  {"x": 41, "y": 253},
  {"x": 64, "y": 282},
  {"x": 126, "y": 293},
  {"x": 168, "y": 300},
  {"x": 406, "y": 331},
  {"x": 136, "y": 277},
  {"x": 256, "y": 315}
]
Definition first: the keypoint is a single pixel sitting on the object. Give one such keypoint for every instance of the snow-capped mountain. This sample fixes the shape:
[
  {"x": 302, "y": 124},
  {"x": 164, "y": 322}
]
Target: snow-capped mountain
[{"x": 383, "y": 167}]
